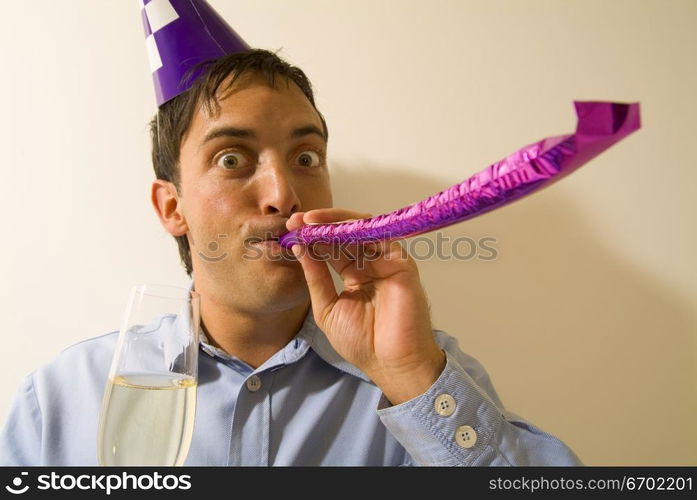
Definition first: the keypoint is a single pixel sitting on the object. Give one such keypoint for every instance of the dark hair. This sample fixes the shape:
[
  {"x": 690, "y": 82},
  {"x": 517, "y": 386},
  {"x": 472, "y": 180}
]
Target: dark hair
[{"x": 168, "y": 126}]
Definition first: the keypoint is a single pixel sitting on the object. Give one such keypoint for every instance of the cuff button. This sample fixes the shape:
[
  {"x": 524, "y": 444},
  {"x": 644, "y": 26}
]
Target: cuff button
[
  {"x": 465, "y": 436},
  {"x": 445, "y": 405}
]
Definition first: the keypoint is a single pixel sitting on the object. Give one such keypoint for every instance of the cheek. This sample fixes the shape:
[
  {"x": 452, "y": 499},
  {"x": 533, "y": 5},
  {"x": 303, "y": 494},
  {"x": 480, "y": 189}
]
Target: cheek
[
  {"x": 213, "y": 199},
  {"x": 212, "y": 210},
  {"x": 316, "y": 193}
]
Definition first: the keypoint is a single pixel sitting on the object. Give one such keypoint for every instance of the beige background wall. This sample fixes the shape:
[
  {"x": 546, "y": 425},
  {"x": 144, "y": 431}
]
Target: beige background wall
[{"x": 586, "y": 320}]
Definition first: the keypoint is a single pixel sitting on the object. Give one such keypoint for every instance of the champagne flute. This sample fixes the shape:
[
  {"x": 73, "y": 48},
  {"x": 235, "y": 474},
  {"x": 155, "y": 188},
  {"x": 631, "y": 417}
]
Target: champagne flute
[{"x": 147, "y": 415}]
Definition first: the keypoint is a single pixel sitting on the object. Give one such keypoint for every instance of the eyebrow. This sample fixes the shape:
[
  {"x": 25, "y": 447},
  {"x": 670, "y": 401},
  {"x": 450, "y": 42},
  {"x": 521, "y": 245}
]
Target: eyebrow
[{"x": 246, "y": 133}]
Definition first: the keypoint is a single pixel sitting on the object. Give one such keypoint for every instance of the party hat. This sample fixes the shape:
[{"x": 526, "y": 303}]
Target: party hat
[{"x": 179, "y": 34}]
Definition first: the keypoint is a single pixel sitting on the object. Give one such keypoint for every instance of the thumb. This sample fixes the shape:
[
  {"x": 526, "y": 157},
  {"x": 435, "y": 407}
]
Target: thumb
[{"x": 319, "y": 281}]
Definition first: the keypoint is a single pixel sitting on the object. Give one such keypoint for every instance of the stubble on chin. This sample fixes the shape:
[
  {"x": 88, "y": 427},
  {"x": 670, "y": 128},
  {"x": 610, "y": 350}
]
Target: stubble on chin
[{"x": 259, "y": 284}]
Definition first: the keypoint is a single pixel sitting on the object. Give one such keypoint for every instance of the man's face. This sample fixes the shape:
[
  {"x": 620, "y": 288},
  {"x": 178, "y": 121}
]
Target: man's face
[{"x": 244, "y": 171}]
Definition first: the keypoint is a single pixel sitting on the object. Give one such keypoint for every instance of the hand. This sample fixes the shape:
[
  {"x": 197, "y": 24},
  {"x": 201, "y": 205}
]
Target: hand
[{"x": 380, "y": 322}]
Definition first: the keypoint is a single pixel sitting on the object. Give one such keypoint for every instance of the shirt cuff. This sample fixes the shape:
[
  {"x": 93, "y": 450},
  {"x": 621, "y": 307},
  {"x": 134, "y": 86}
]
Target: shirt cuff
[{"x": 452, "y": 423}]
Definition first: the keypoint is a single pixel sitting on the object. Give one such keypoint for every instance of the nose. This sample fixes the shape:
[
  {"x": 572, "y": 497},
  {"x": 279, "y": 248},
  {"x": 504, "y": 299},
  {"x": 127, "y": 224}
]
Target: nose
[{"x": 278, "y": 195}]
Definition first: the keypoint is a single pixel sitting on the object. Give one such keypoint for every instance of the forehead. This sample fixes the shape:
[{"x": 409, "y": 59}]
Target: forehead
[{"x": 252, "y": 101}]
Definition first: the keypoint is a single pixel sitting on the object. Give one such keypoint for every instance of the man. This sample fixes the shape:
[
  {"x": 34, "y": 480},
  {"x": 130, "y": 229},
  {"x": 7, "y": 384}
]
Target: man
[{"x": 290, "y": 372}]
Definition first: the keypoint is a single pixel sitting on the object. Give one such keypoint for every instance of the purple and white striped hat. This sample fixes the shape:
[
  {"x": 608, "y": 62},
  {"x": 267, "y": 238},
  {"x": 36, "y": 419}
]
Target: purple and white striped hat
[{"x": 179, "y": 34}]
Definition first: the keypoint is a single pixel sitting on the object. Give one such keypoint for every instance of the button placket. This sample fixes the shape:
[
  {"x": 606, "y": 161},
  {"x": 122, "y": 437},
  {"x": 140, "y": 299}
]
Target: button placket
[
  {"x": 253, "y": 383},
  {"x": 250, "y": 433}
]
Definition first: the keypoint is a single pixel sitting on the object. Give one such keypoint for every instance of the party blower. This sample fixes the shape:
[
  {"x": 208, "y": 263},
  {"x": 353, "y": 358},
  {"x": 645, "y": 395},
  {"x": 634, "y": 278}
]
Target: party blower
[{"x": 600, "y": 125}]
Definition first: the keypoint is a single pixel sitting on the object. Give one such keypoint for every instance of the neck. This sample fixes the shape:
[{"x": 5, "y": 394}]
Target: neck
[{"x": 251, "y": 336}]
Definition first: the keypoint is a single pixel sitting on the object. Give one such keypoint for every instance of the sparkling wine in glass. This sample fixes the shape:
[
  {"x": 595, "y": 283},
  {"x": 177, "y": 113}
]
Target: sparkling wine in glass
[{"x": 147, "y": 416}]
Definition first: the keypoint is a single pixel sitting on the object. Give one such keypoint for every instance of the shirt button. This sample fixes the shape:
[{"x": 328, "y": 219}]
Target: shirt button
[
  {"x": 445, "y": 405},
  {"x": 253, "y": 383},
  {"x": 465, "y": 436}
]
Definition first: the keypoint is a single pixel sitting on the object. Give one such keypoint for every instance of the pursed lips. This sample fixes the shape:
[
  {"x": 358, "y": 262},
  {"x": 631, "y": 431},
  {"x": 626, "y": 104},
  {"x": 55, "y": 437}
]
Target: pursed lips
[{"x": 268, "y": 237}]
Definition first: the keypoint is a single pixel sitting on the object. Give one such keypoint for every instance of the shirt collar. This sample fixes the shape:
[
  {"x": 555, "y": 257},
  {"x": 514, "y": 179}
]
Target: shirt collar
[{"x": 310, "y": 336}]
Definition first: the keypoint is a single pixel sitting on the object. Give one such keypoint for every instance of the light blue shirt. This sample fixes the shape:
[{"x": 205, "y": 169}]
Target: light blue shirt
[{"x": 304, "y": 406}]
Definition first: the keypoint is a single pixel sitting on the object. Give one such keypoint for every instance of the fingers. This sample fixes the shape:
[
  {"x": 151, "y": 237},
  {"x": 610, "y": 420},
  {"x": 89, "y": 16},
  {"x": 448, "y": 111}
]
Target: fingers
[
  {"x": 319, "y": 280},
  {"x": 348, "y": 263},
  {"x": 358, "y": 264},
  {"x": 295, "y": 221},
  {"x": 324, "y": 215},
  {"x": 342, "y": 259}
]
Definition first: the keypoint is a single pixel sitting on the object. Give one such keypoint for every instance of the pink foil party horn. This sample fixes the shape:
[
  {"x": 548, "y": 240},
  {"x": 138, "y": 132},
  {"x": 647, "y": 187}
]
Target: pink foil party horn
[{"x": 600, "y": 125}]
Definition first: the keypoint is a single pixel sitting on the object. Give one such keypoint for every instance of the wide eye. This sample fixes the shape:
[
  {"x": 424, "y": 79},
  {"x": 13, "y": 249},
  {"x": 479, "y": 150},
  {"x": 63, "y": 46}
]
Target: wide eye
[
  {"x": 309, "y": 159},
  {"x": 231, "y": 161}
]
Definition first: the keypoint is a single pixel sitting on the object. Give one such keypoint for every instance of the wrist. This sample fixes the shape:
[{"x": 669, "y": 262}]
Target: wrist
[{"x": 404, "y": 384}]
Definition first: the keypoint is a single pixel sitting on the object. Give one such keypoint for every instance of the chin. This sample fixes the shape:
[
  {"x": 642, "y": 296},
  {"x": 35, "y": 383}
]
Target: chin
[{"x": 280, "y": 296}]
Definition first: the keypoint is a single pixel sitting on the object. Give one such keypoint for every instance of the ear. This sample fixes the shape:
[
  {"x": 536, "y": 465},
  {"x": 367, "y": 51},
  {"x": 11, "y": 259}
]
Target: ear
[{"x": 168, "y": 207}]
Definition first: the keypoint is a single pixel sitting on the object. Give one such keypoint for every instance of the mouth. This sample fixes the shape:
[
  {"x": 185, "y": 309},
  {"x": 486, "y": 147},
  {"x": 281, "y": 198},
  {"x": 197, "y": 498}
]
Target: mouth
[
  {"x": 269, "y": 237},
  {"x": 272, "y": 251},
  {"x": 270, "y": 245},
  {"x": 269, "y": 241}
]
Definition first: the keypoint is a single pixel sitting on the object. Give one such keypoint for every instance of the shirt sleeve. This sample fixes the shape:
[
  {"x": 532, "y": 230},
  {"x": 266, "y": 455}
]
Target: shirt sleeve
[
  {"x": 460, "y": 421},
  {"x": 20, "y": 438}
]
